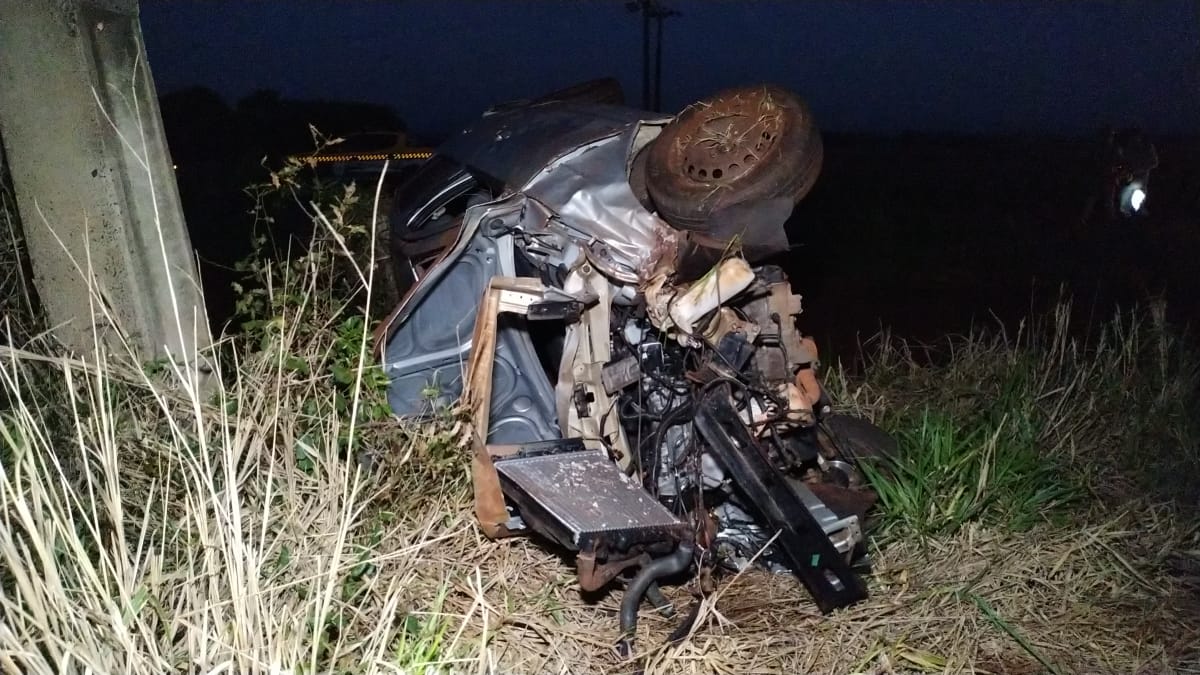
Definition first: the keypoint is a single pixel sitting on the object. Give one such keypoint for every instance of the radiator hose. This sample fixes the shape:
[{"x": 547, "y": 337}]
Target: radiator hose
[{"x": 655, "y": 570}]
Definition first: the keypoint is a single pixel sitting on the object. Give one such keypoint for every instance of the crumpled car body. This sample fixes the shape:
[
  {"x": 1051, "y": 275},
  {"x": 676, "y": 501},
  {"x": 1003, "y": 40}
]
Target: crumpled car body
[
  {"x": 639, "y": 393},
  {"x": 570, "y": 207}
]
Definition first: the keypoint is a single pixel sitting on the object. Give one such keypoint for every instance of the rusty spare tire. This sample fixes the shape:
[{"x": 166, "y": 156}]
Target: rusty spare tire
[{"x": 739, "y": 145}]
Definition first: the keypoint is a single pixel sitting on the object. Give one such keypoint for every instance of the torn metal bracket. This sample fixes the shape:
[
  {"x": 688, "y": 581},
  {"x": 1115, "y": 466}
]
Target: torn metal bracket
[
  {"x": 503, "y": 295},
  {"x": 566, "y": 310},
  {"x": 595, "y": 575}
]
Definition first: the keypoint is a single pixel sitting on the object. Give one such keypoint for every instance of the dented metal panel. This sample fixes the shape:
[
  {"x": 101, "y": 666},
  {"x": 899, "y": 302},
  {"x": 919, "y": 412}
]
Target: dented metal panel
[
  {"x": 588, "y": 190},
  {"x": 514, "y": 145}
]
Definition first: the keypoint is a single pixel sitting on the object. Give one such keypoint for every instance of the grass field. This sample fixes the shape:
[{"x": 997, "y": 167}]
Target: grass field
[{"x": 1040, "y": 518}]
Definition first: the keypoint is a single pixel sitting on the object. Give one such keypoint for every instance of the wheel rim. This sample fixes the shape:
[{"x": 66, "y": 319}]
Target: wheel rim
[{"x": 727, "y": 143}]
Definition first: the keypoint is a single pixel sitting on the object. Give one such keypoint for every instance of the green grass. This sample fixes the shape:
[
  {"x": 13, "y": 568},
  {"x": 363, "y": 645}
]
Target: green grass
[
  {"x": 421, "y": 643},
  {"x": 949, "y": 473},
  {"x": 990, "y": 612},
  {"x": 1011, "y": 429}
]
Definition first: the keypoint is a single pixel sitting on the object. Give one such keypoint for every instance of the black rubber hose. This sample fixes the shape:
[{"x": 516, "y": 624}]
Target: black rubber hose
[
  {"x": 655, "y": 595},
  {"x": 672, "y": 564}
]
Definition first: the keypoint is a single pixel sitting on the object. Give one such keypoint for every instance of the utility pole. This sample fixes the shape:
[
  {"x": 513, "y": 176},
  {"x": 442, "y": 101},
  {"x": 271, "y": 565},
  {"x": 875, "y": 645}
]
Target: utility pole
[
  {"x": 90, "y": 167},
  {"x": 652, "y": 10},
  {"x": 645, "y": 9}
]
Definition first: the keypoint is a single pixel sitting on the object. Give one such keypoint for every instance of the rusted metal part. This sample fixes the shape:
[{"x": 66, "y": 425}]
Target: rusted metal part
[
  {"x": 723, "y": 142},
  {"x": 808, "y": 351},
  {"x": 489, "y": 500},
  {"x": 806, "y": 381},
  {"x": 845, "y": 501},
  {"x": 740, "y": 145},
  {"x": 774, "y": 310},
  {"x": 595, "y": 575},
  {"x": 787, "y": 306},
  {"x": 806, "y": 377},
  {"x": 503, "y": 294}
]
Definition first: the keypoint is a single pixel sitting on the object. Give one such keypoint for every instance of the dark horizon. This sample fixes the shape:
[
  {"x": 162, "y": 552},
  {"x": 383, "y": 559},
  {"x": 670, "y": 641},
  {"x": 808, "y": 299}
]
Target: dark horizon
[
  {"x": 976, "y": 68},
  {"x": 834, "y": 135}
]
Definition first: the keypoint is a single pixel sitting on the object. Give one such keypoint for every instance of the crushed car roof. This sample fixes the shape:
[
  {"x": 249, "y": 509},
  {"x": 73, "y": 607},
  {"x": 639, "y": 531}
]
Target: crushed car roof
[{"x": 514, "y": 145}]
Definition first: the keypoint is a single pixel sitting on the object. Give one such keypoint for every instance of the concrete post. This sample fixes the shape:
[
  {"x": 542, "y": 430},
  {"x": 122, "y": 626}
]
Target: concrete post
[{"x": 93, "y": 178}]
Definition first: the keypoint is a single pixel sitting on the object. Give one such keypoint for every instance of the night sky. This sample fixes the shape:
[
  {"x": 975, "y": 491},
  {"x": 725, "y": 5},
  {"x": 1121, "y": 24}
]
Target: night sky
[{"x": 959, "y": 67}]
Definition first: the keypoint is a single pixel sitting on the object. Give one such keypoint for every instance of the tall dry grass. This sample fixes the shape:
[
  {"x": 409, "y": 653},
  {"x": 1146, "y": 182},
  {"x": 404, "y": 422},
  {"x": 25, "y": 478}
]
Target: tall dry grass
[{"x": 149, "y": 528}]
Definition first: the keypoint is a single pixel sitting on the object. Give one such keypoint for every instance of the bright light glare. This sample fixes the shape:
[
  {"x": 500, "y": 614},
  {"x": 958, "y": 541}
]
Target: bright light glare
[{"x": 1137, "y": 199}]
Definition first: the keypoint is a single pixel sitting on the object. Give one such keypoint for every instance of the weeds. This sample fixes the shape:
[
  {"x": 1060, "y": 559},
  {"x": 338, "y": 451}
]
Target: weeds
[
  {"x": 951, "y": 473},
  {"x": 1009, "y": 429},
  {"x": 147, "y": 529}
]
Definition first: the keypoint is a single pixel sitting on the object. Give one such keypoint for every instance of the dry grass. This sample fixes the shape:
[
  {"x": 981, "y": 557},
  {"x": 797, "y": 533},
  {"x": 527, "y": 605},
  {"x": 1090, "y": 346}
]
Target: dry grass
[
  {"x": 235, "y": 580},
  {"x": 148, "y": 529},
  {"x": 17, "y": 299},
  {"x": 148, "y": 532}
]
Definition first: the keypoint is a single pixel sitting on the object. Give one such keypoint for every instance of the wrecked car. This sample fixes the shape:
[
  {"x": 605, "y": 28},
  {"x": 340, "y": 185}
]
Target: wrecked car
[{"x": 594, "y": 283}]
